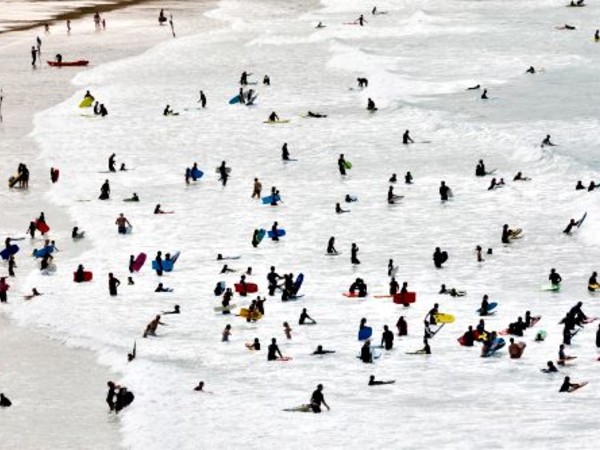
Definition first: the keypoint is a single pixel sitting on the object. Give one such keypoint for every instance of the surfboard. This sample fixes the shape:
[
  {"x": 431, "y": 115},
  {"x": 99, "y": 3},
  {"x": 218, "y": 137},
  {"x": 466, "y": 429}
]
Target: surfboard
[
  {"x": 405, "y": 299},
  {"x": 87, "y": 276},
  {"x": 301, "y": 408},
  {"x": 9, "y": 251},
  {"x": 580, "y": 221},
  {"x": 272, "y": 122},
  {"x": 579, "y": 386},
  {"x": 375, "y": 353},
  {"x": 227, "y": 170},
  {"x": 169, "y": 264},
  {"x": 261, "y": 235},
  {"x": 347, "y": 165},
  {"x": 496, "y": 345},
  {"x": 87, "y": 102},
  {"x": 42, "y": 252},
  {"x": 251, "y": 288},
  {"x": 196, "y": 174},
  {"x": 138, "y": 263},
  {"x": 444, "y": 318},
  {"x": 269, "y": 199},
  {"x": 298, "y": 282},
  {"x": 234, "y": 100},
  {"x": 284, "y": 358},
  {"x": 14, "y": 180},
  {"x": 244, "y": 312},
  {"x": 491, "y": 306},
  {"x": 280, "y": 233},
  {"x": 42, "y": 227},
  {"x": 224, "y": 308},
  {"x": 551, "y": 287},
  {"x": 365, "y": 333}
]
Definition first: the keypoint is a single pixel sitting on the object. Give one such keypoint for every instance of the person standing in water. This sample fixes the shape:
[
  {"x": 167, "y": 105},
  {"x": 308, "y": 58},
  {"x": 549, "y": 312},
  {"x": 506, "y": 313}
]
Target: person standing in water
[
  {"x": 317, "y": 399},
  {"x": 342, "y": 164},
  {"x": 113, "y": 284},
  {"x": 224, "y": 173},
  {"x": 354, "y": 254},
  {"x": 122, "y": 224},
  {"x": 202, "y": 99}
]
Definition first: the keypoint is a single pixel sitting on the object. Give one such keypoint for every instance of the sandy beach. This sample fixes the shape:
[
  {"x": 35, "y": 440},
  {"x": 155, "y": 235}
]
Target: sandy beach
[{"x": 60, "y": 388}]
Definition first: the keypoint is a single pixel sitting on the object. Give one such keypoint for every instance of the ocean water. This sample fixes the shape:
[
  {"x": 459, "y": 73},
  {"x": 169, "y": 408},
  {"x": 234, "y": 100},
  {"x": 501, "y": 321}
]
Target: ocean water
[{"x": 419, "y": 59}]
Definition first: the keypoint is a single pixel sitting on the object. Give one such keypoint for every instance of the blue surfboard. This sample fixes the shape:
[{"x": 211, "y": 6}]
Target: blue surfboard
[
  {"x": 365, "y": 333},
  {"x": 280, "y": 233},
  {"x": 269, "y": 199},
  {"x": 169, "y": 265},
  {"x": 234, "y": 100},
  {"x": 9, "y": 251},
  {"x": 491, "y": 306},
  {"x": 196, "y": 174},
  {"x": 298, "y": 282},
  {"x": 42, "y": 252}
]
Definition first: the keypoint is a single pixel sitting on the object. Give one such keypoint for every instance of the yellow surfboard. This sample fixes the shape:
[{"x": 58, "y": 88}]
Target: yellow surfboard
[
  {"x": 245, "y": 311},
  {"x": 444, "y": 318},
  {"x": 87, "y": 102}
]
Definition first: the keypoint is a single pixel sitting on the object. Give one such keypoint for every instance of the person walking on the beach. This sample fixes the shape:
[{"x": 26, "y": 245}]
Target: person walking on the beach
[{"x": 68, "y": 26}]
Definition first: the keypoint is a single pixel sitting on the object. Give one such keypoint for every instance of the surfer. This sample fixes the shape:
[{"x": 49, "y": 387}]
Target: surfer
[
  {"x": 162, "y": 288},
  {"x": 287, "y": 330},
  {"x": 317, "y": 399},
  {"x": 468, "y": 338},
  {"x": 484, "y": 95},
  {"x": 169, "y": 112},
  {"x": 408, "y": 178},
  {"x": 550, "y": 368},
  {"x": 362, "y": 82},
  {"x": 111, "y": 163},
  {"x": 480, "y": 169},
  {"x": 570, "y": 226},
  {"x": 354, "y": 254},
  {"x": 361, "y": 20},
  {"x": 474, "y": 88},
  {"x": 597, "y": 35},
  {"x": 320, "y": 25},
  {"x": 152, "y": 326},
  {"x": 566, "y": 27},
  {"x": 567, "y": 386},
  {"x": 4, "y": 401},
  {"x": 592, "y": 186},
  {"x": 331, "y": 246},
  {"x": 366, "y": 355},
  {"x": 402, "y": 326},
  {"x": 202, "y": 99},
  {"x": 394, "y": 286},
  {"x": 439, "y": 258},
  {"x": 285, "y": 154},
  {"x": 34, "y": 54},
  {"x": 176, "y": 309},
  {"x": 547, "y": 142},
  {"x": 519, "y": 177},
  {"x": 387, "y": 338},
  {"x": 226, "y": 333},
  {"x": 374, "y": 382},
  {"x": 593, "y": 282},
  {"x": 79, "y": 276},
  {"x": 104, "y": 191},
  {"x": 391, "y": 197},
  {"x": 113, "y": 284},
  {"x": 444, "y": 191},
  {"x": 393, "y": 178},
  {"x": 371, "y": 105},
  {"x": 273, "y": 117},
  {"x": 244, "y": 78},
  {"x": 554, "y": 277},
  {"x": 530, "y": 70},
  {"x": 321, "y": 351},
  {"x": 266, "y": 80},
  {"x": 360, "y": 286},
  {"x": 273, "y": 350},
  {"x": 158, "y": 210},
  {"x": 342, "y": 164},
  {"x": 275, "y": 231},
  {"x": 316, "y": 115},
  {"x": 223, "y": 173},
  {"x": 406, "y": 139},
  {"x": 122, "y": 224},
  {"x": 304, "y": 317},
  {"x": 339, "y": 210},
  {"x": 485, "y": 306}
]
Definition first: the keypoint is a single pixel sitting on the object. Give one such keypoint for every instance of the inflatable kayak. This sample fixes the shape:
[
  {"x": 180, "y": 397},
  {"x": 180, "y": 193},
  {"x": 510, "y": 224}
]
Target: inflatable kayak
[{"x": 81, "y": 62}]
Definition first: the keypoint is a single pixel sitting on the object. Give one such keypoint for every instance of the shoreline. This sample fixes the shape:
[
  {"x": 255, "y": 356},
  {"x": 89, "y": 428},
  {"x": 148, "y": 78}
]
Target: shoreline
[
  {"x": 67, "y": 387},
  {"x": 75, "y": 14}
]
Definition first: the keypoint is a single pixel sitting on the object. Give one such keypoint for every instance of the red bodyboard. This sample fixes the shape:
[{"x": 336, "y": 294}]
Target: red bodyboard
[
  {"x": 251, "y": 288},
  {"x": 406, "y": 298},
  {"x": 87, "y": 276},
  {"x": 42, "y": 227}
]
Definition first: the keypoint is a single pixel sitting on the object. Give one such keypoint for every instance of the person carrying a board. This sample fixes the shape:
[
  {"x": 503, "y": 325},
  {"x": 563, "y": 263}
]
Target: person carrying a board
[
  {"x": 567, "y": 386},
  {"x": 317, "y": 399},
  {"x": 273, "y": 351},
  {"x": 275, "y": 231},
  {"x": 112, "y": 163}
]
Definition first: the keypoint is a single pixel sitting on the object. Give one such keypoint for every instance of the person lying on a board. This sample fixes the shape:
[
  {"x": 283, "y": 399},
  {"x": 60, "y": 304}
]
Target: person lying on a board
[
  {"x": 551, "y": 368},
  {"x": 371, "y": 105},
  {"x": 134, "y": 198},
  {"x": 315, "y": 115},
  {"x": 474, "y": 88},
  {"x": 161, "y": 288},
  {"x": 519, "y": 177},
  {"x": 566, "y": 27},
  {"x": 374, "y": 382},
  {"x": 530, "y": 70},
  {"x": 273, "y": 117},
  {"x": 406, "y": 139},
  {"x": 321, "y": 351},
  {"x": 304, "y": 317},
  {"x": 320, "y": 25}
]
